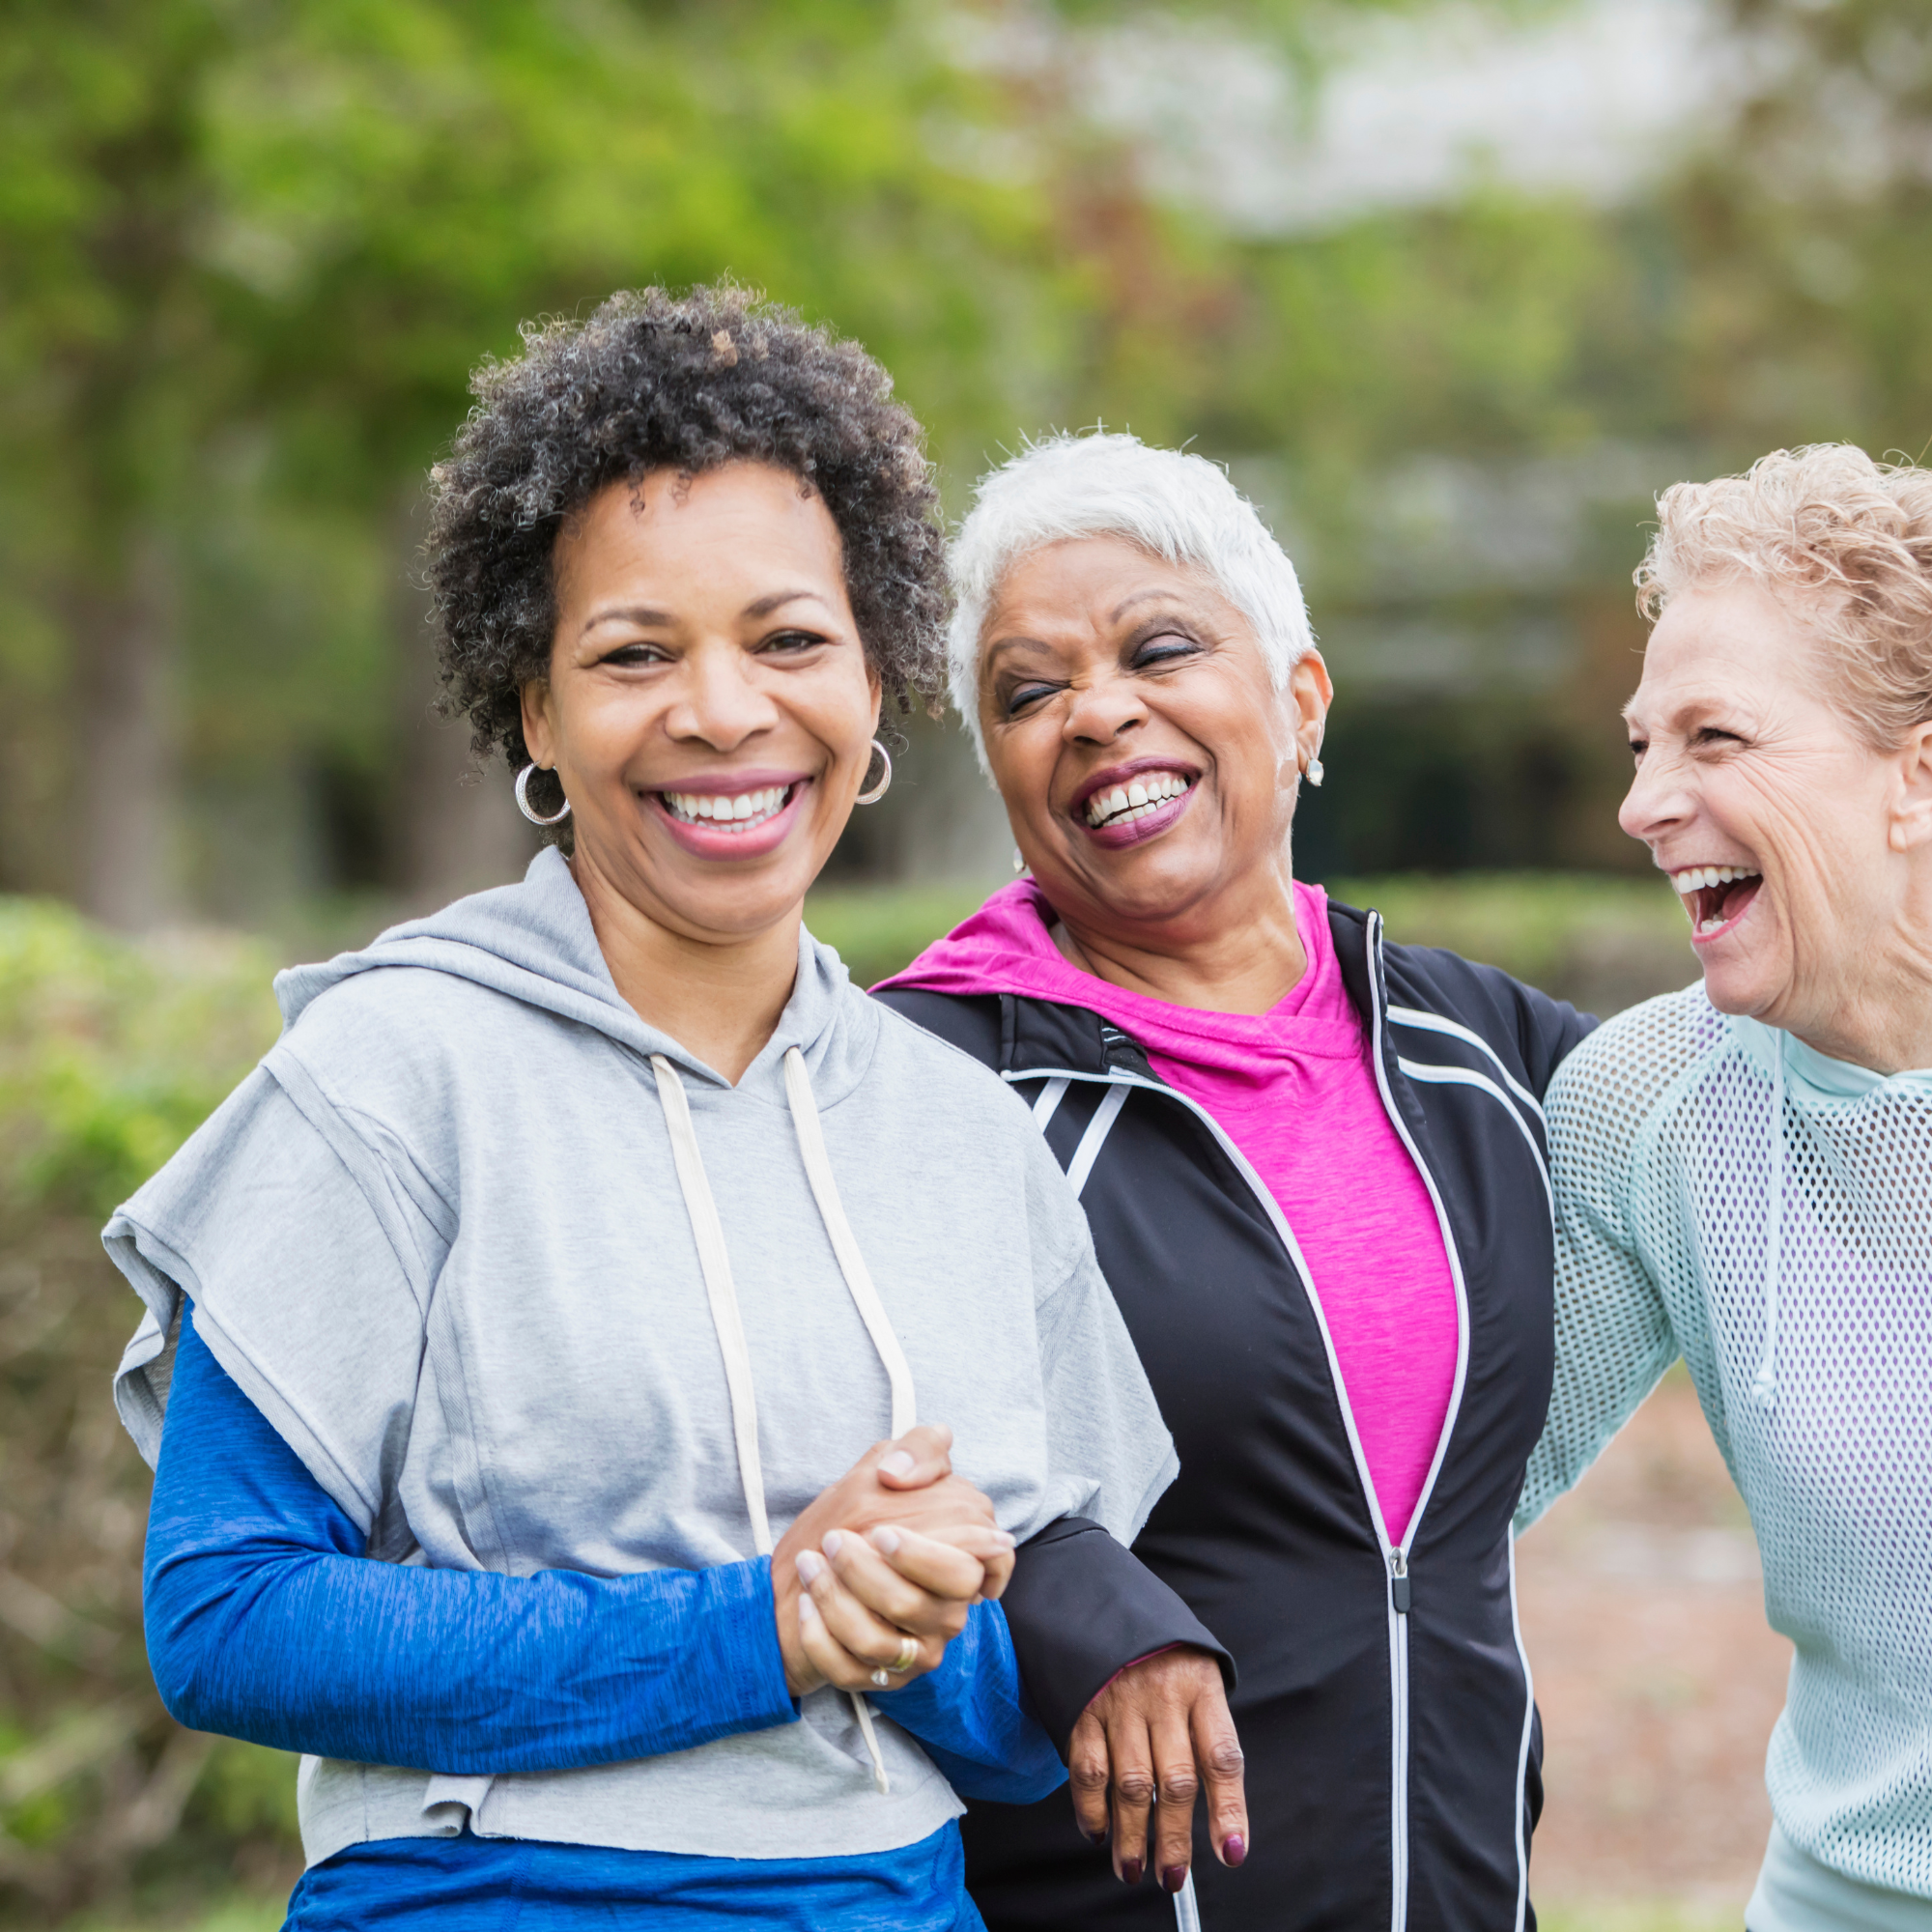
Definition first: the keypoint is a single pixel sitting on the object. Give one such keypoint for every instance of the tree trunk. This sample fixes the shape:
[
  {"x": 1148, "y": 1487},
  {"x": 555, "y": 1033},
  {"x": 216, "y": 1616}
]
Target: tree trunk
[
  {"x": 125, "y": 752},
  {"x": 458, "y": 829}
]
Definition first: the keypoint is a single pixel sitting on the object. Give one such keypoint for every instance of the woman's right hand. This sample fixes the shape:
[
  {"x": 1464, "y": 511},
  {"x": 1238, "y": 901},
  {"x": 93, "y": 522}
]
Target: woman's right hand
[{"x": 896, "y": 1550}]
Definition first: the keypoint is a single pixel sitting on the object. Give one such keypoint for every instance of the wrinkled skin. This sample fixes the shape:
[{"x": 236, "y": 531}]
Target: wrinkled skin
[{"x": 1744, "y": 760}]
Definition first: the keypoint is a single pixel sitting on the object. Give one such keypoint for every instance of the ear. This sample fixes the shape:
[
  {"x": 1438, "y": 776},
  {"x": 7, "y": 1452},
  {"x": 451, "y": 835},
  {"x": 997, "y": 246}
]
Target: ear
[
  {"x": 1912, "y": 801},
  {"x": 539, "y": 728},
  {"x": 1310, "y": 693}
]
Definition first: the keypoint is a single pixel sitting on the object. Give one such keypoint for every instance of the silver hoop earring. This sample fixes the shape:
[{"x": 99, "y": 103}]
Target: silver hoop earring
[
  {"x": 524, "y": 800},
  {"x": 879, "y": 790},
  {"x": 1315, "y": 773}
]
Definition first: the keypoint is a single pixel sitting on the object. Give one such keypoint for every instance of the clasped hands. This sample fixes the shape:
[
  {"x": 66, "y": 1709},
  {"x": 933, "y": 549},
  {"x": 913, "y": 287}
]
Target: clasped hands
[{"x": 880, "y": 1570}]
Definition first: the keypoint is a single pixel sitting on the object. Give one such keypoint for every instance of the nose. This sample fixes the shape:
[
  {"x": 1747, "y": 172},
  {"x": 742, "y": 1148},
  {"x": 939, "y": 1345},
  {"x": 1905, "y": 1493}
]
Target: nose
[
  {"x": 1660, "y": 800},
  {"x": 719, "y": 702},
  {"x": 1102, "y": 709}
]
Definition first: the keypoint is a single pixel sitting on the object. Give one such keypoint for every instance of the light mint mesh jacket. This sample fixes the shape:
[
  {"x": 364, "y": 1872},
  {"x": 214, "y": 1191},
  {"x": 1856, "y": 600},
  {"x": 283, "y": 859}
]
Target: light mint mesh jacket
[{"x": 1727, "y": 1194}]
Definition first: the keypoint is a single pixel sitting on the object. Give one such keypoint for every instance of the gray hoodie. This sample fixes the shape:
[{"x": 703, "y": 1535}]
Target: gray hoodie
[{"x": 455, "y": 1237}]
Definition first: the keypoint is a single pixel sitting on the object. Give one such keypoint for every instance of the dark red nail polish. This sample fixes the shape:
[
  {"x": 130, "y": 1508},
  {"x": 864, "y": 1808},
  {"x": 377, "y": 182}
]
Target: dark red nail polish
[
  {"x": 1130, "y": 1870},
  {"x": 1234, "y": 1849},
  {"x": 1099, "y": 1838},
  {"x": 1174, "y": 1878}
]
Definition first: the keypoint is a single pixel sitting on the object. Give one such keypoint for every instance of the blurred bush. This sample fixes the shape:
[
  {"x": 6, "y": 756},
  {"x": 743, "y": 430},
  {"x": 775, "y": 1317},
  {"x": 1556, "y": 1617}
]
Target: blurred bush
[{"x": 110, "y": 1054}]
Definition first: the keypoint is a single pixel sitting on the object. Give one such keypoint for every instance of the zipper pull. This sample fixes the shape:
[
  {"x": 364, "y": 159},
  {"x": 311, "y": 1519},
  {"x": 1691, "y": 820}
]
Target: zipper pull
[{"x": 1399, "y": 1580}]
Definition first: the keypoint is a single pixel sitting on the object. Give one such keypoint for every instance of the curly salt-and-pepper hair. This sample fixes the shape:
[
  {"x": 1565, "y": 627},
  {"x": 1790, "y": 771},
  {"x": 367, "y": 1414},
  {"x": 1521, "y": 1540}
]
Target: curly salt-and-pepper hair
[
  {"x": 1848, "y": 539},
  {"x": 659, "y": 382}
]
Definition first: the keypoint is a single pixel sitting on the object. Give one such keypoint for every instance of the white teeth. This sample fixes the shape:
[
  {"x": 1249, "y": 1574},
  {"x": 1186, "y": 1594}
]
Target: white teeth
[
  {"x": 1697, "y": 878},
  {"x": 726, "y": 808},
  {"x": 1123, "y": 805}
]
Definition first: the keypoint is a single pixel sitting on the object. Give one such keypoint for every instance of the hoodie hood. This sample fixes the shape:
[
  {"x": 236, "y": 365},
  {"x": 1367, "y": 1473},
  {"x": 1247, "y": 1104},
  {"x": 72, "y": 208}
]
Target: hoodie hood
[{"x": 535, "y": 943}]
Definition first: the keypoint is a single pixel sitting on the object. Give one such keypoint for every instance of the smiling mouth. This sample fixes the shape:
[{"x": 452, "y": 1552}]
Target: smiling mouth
[
  {"x": 728, "y": 811},
  {"x": 1716, "y": 895},
  {"x": 1139, "y": 798}
]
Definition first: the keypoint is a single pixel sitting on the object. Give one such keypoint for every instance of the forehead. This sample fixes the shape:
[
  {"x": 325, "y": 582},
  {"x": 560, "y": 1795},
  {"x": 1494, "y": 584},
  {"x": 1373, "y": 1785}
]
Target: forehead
[
  {"x": 1732, "y": 644},
  {"x": 742, "y": 519},
  {"x": 1098, "y": 582}
]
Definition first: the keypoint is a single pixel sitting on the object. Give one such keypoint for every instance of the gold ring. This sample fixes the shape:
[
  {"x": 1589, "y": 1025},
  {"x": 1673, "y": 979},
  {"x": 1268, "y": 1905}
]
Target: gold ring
[{"x": 908, "y": 1655}]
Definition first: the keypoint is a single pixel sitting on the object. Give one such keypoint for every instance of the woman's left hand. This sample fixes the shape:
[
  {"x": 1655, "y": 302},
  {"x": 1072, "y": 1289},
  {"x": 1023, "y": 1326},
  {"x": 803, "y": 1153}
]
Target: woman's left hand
[{"x": 1155, "y": 1738}]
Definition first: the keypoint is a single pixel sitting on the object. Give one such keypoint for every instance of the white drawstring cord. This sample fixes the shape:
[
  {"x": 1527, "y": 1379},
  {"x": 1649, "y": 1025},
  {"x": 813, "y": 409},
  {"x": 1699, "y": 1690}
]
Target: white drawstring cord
[
  {"x": 1764, "y": 1384},
  {"x": 715, "y": 1259},
  {"x": 844, "y": 1244}
]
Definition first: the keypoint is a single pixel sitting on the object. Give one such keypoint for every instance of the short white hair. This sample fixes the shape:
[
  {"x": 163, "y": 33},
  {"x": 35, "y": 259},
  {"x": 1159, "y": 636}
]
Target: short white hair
[{"x": 1177, "y": 508}]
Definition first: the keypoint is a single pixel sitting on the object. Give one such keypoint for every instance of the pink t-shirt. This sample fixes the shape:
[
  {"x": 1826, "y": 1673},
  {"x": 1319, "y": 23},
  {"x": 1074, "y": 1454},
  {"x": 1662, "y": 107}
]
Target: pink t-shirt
[{"x": 1294, "y": 1090}]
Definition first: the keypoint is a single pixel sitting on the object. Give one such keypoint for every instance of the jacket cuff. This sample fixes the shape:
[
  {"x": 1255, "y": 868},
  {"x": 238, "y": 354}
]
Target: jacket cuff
[{"x": 1081, "y": 1609}]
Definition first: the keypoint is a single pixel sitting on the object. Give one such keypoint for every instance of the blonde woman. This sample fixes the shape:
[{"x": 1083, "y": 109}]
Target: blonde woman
[{"x": 1743, "y": 1168}]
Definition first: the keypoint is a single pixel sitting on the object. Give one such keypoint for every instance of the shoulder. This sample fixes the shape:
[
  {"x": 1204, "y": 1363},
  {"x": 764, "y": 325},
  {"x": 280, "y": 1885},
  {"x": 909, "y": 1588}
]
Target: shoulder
[
  {"x": 1531, "y": 1032},
  {"x": 972, "y": 1024},
  {"x": 940, "y": 1057},
  {"x": 1623, "y": 1075}
]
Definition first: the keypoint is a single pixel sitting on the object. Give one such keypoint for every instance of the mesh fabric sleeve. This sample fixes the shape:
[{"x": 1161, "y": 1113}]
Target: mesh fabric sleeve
[
  {"x": 1614, "y": 1338},
  {"x": 266, "y": 1621}
]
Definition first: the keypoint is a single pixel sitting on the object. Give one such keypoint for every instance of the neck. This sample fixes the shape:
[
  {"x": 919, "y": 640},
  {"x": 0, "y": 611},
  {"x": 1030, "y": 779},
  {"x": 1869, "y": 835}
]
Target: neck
[
  {"x": 720, "y": 999},
  {"x": 1215, "y": 958},
  {"x": 1884, "y": 1021}
]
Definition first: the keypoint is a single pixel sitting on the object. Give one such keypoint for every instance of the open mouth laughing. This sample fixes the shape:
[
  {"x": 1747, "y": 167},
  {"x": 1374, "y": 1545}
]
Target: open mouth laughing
[
  {"x": 1128, "y": 804},
  {"x": 1715, "y": 896},
  {"x": 734, "y": 812}
]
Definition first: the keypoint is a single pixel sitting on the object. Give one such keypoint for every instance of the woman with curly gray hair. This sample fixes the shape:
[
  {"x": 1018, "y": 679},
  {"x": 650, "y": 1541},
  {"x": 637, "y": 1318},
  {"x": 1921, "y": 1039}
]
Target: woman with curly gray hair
[{"x": 516, "y": 1332}]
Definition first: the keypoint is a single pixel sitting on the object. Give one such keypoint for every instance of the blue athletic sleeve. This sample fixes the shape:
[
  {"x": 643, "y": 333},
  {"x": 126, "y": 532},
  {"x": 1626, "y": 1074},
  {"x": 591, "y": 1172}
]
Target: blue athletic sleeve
[
  {"x": 266, "y": 1621},
  {"x": 973, "y": 1719}
]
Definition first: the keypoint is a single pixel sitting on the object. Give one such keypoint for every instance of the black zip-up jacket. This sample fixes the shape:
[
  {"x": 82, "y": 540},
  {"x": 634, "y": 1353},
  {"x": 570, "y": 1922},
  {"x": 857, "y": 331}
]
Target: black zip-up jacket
[{"x": 1384, "y": 1701}]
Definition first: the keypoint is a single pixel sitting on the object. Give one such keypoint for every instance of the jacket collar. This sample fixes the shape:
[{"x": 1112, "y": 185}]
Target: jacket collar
[{"x": 1036, "y": 1034}]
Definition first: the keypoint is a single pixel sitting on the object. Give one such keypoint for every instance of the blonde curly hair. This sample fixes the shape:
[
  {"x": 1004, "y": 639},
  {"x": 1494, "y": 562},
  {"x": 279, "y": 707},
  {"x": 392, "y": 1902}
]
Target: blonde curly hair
[{"x": 1849, "y": 538}]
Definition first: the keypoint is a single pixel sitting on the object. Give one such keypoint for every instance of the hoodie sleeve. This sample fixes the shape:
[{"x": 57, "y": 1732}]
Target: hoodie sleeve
[
  {"x": 309, "y": 1270},
  {"x": 265, "y": 1620}
]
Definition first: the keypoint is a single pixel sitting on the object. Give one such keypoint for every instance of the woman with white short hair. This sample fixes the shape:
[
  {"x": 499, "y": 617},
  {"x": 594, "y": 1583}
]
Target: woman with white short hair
[
  {"x": 1743, "y": 1168},
  {"x": 1313, "y": 1167}
]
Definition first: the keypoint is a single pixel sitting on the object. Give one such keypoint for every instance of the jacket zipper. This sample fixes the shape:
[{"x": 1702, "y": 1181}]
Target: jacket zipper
[{"x": 1399, "y": 1581}]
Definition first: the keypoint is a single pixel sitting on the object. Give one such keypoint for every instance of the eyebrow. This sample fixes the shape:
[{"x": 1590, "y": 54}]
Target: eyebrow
[
  {"x": 649, "y": 619},
  {"x": 1155, "y": 592}
]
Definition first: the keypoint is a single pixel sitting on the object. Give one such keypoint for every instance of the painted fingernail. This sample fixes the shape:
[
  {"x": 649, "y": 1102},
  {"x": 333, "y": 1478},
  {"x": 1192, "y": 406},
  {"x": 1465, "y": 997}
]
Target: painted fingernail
[
  {"x": 832, "y": 1541},
  {"x": 899, "y": 1463},
  {"x": 1130, "y": 1870},
  {"x": 1099, "y": 1838},
  {"x": 885, "y": 1539},
  {"x": 810, "y": 1566},
  {"x": 1234, "y": 1849},
  {"x": 1174, "y": 1878}
]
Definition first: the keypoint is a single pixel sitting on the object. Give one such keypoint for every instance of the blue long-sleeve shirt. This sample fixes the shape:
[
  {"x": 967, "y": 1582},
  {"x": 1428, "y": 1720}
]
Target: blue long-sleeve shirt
[{"x": 266, "y": 1622}]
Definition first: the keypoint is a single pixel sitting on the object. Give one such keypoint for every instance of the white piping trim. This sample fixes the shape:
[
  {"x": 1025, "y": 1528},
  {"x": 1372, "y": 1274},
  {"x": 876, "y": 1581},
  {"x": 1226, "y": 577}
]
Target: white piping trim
[
  {"x": 1284, "y": 1233},
  {"x": 1094, "y": 1138},
  {"x": 1186, "y": 1911},
  {"x": 1048, "y": 1104},
  {"x": 1463, "y": 1076},
  {"x": 1378, "y": 1004},
  {"x": 1522, "y": 1749},
  {"x": 1413, "y": 1016}
]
